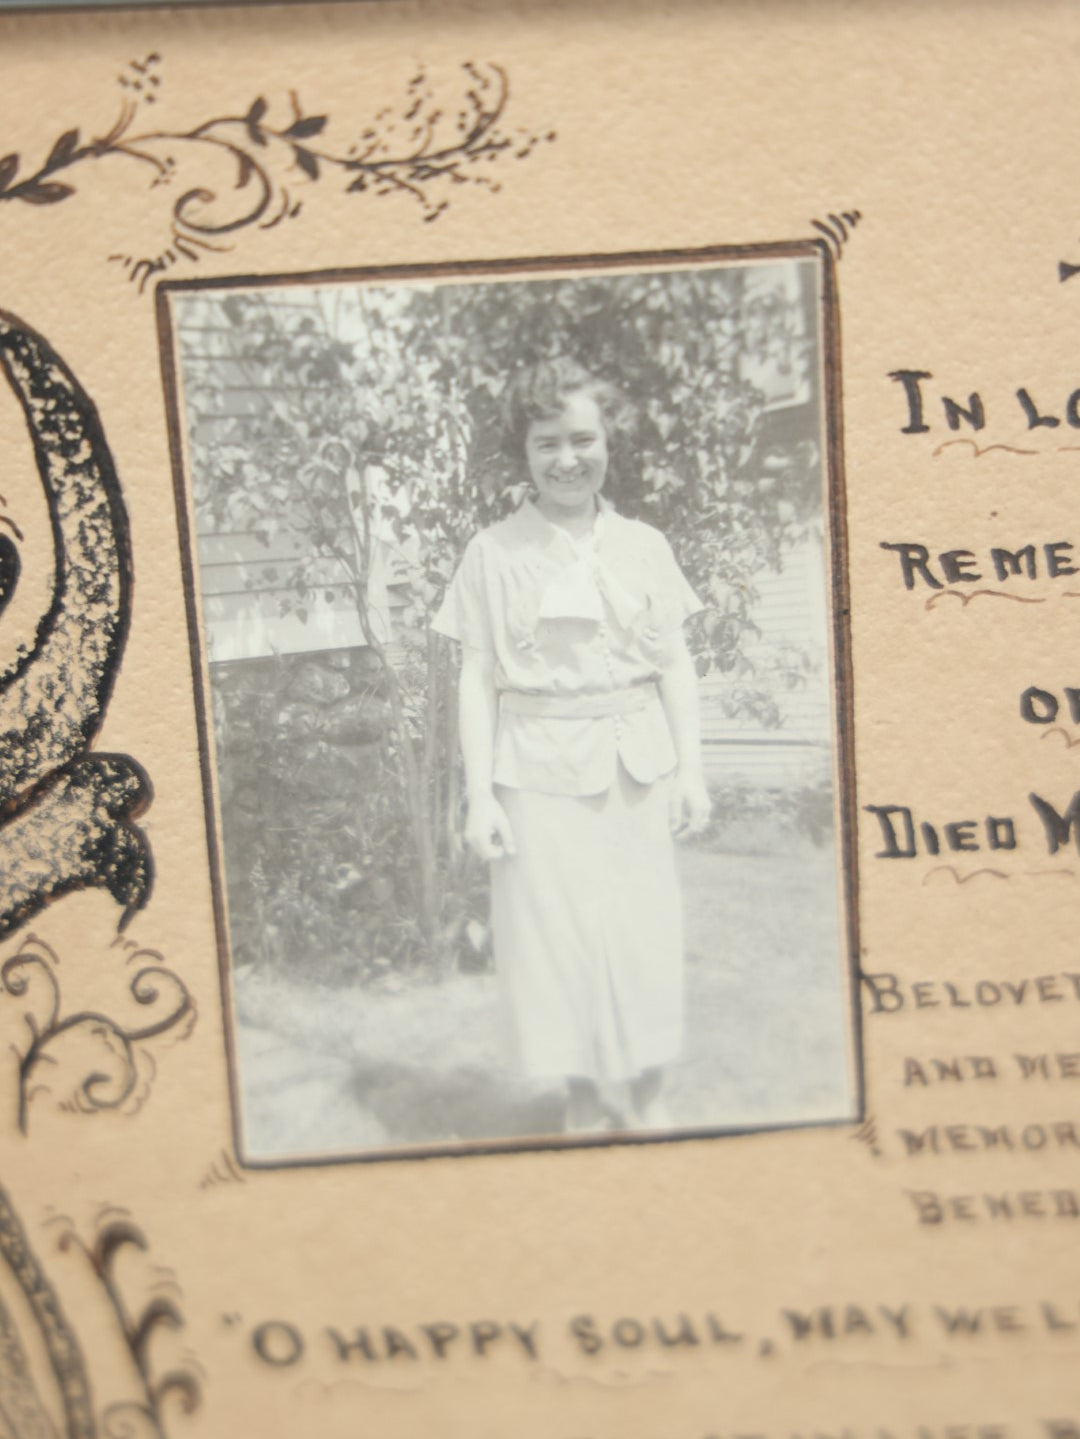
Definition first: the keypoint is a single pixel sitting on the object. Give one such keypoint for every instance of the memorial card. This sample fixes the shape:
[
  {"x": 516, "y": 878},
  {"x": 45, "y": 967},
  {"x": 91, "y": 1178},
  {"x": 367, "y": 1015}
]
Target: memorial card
[{"x": 540, "y": 830}]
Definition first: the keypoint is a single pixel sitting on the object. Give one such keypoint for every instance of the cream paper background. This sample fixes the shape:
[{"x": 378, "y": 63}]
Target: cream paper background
[{"x": 952, "y": 128}]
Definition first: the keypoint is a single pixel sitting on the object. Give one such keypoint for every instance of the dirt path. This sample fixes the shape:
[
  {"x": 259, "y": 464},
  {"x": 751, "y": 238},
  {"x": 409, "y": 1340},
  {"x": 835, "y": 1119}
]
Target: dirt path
[{"x": 336, "y": 1070}]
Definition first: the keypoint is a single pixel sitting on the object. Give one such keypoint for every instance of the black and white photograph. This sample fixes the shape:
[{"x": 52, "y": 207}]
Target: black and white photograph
[{"x": 516, "y": 596}]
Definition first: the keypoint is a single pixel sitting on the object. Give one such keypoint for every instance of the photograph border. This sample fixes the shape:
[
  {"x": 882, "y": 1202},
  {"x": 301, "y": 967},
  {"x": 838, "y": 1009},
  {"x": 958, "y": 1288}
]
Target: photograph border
[{"x": 842, "y": 685}]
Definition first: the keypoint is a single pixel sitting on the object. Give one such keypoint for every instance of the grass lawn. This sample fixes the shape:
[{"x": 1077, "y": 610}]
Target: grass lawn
[{"x": 329, "y": 1070}]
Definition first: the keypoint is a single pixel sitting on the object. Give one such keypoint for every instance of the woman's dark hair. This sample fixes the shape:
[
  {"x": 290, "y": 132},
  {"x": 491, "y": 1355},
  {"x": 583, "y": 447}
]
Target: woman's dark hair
[{"x": 540, "y": 391}]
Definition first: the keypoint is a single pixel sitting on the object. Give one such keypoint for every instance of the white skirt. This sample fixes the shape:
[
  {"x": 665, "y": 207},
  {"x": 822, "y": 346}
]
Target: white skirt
[{"x": 587, "y": 928}]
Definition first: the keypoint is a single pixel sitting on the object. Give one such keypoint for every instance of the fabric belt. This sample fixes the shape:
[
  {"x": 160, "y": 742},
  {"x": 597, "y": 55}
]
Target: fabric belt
[{"x": 579, "y": 706}]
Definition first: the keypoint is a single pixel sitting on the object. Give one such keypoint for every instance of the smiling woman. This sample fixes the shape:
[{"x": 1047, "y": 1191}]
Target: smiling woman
[
  {"x": 567, "y": 454},
  {"x": 580, "y": 732},
  {"x": 502, "y": 579},
  {"x": 556, "y": 414}
]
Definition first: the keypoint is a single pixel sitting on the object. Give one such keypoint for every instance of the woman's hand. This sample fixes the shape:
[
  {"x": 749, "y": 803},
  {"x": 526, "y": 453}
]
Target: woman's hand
[
  {"x": 690, "y": 804},
  {"x": 487, "y": 829}
]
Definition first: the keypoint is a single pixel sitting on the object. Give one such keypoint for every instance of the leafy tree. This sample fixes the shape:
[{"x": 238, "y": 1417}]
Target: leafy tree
[{"x": 375, "y": 419}]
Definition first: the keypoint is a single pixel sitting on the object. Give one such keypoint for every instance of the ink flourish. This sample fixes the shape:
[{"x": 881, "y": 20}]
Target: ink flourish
[
  {"x": 114, "y": 1067},
  {"x": 435, "y": 141}
]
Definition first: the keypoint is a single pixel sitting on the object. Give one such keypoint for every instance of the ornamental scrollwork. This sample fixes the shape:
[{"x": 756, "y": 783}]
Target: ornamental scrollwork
[
  {"x": 437, "y": 139},
  {"x": 90, "y": 1061}
]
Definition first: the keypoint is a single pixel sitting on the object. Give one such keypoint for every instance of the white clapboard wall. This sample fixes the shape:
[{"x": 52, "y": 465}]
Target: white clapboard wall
[
  {"x": 250, "y": 609},
  {"x": 791, "y": 616},
  {"x": 243, "y": 618}
]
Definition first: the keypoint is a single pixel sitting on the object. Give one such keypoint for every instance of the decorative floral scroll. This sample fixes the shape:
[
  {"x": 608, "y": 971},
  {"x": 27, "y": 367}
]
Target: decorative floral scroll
[
  {"x": 89, "y": 1060},
  {"x": 436, "y": 140}
]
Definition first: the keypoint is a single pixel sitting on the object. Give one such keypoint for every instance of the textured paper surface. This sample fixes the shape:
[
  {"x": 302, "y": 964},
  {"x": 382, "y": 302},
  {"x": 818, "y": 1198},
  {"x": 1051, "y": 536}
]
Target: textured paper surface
[{"x": 877, "y": 1283}]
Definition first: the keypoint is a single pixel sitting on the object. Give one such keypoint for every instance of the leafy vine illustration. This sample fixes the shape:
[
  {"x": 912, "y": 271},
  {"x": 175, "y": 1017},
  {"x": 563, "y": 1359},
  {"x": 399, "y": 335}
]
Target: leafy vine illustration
[
  {"x": 143, "y": 1416},
  {"x": 22, "y": 1404},
  {"x": 433, "y": 143},
  {"x": 142, "y": 1412},
  {"x": 122, "y": 1067}
]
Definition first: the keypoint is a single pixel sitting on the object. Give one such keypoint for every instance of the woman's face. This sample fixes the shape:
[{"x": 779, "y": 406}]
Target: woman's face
[{"x": 567, "y": 458}]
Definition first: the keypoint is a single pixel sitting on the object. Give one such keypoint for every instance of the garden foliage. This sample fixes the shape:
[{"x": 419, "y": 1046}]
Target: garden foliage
[{"x": 371, "y": 423}]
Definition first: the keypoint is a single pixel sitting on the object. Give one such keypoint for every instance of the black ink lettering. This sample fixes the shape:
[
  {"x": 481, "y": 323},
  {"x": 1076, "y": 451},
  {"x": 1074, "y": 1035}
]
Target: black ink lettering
[
  {"x": 360, "y": 1344},
  {"x": 583, "y": 1328},
  {"x": 960, "y": 1321},
  {"x": 1008, "y": 562},
  {"x": 987, "y": 993},
  {"x": 958, "y": 1136},
  {"x": 628, "y": 1333},
  {"x": 1072, "y": 409},
  {"x": 885, "y": 989},
  {"x": 927, "y": 1205},
  {"x": 930, "y": 838},
  {"x": 1053, "y": 1319},
  {"x": 484, "y": 1333},
  {"x": 1038, "y": 706},
  {"x": 1055, "y": 564},
  {"x": 856, "y": 1321},
  {"x": 397, "y": 1343},
  {"x": 1072, "y": 698},
  {"x": 974, "y": 415},
  {"x": 910, "y": 381},
  {"x": 802, "y": 1325},
  {"x": 719, "y": 1334},
  {"x": 893, "y": 847},
  {"x": 1034, "y": 419},
  {"x": 441, "y": 1336},
  {"x": 685, "y": 1334},
  {"x": 995, "y": 1138},
  {"x": 527, "y": 1338},
  {"x": 914, "y": 1073},
  {"x": 954, "y": 566},
  {"x": 1032, "y": 1064},
  {"x": 983, "y": 1067},
  {"x": 960, "y": 835},
  {"x": 1000, "y": 833},
  {"x": 1058, "y": 827},
  {"x": 914, "y": 560},
  {"x": 898, "y": 1318},
  {"x": 917, "y": 1143},
  {"x": 277, "y": 1343}
]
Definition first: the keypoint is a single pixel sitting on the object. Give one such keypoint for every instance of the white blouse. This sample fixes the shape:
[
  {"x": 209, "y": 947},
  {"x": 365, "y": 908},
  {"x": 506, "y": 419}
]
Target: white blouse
[{"x": 566, "y": 619}]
